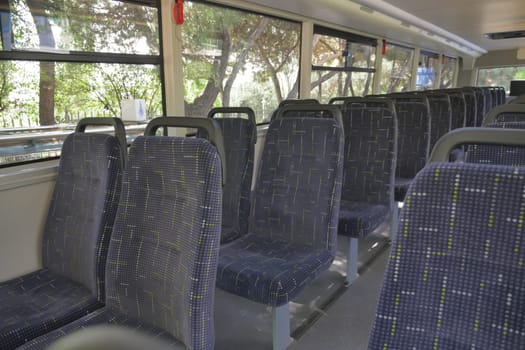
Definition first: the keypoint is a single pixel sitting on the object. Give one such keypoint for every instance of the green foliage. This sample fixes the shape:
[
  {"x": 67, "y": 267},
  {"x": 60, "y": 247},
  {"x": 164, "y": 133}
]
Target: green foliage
[
  {"x": 520, "y": 74},
  {"x": 225, "y": 51},
  {"x": 500, "y": 76},
  {"x": 81, "y": 89}
]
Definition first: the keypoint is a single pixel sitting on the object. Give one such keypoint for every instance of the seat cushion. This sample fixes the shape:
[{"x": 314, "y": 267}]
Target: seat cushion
[
  {"x": 103, "y": 316},
  {"x": 269, "y": 271},
  {"x": 358, "y": 219},
  {"x": 39, "y": 302}
]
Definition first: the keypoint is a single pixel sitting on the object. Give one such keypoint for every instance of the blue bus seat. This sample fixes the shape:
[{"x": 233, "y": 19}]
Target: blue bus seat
[
  {"x": 440, "y": 109},
  {"x": 498, "y": 154},
  {"x": 367, "y": 198},
  {"x": 75, "y": 240},
  {"x": 162, "y": 258},
  {"x": 293, "y": 225},
  {"x": 455, "y": 276},
  {"x": 240, "y": 136},
  {"x": 413, "y": 142},
  {"x": 506, "y": 113}
]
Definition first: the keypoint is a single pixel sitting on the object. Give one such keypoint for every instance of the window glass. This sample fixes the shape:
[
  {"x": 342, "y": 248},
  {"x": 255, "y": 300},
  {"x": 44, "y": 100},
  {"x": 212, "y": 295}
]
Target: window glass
[
  {"x": 326, "y": 85},
  {"x": 447, "y": 72},
  {"x": 238, "y": 58},
  {"x": 427, "y": 71},
  {"x": 500, "y": 76},
  {"x": 80, "y": 90},
  {"x": 86, "y": 57},
  {"x": 85, "y": 25},
  {"x": 341, "y": 67},
  {"x": 396, "y": 69}
]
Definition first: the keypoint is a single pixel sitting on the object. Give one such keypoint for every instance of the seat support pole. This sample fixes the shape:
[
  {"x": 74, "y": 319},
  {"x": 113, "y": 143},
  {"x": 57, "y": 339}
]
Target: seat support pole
[
  {"x": 394, "y": 222},
  {"x": 352, "y": 261},
  {"x": 281, "y": 326}
]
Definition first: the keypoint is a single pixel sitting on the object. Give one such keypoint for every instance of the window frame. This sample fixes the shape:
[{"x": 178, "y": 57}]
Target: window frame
[{"x": 91, "y": 57}]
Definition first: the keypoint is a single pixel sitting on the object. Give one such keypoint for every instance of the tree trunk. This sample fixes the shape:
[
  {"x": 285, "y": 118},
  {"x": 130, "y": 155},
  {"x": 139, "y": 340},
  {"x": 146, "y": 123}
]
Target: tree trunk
[
  {"x": 202, "y": 104},
  {"x": 47, "y": 69},
  {"x": 47, "y": 93},
  {"x": 241, "y": 59}
]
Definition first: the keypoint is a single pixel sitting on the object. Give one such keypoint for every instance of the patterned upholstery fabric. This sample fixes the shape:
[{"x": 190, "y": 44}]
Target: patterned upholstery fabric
[
  {"x": 510, "y": 117},
  {"x": 82, "y": 210},
  {"x": 458, "y": 108},
  {"x": 358, "y": 219},
  {"x": 36, "y": 303},
  {"x": 480, "y": 106},
  {"x": 76, "y": 236},
  {"x": 413, "y": 141},
  {"x": 369, "y": 167},
  {"x": 495, "y": 154},
  {"x": 100, "y": 317},
  {"x": 440, "y": 110},
  {"x": 162, "y": 258},
  {"x": 294, "y": 215},
  {"x": 455, "y": 277},
  {"x": 237, "y": 135},
  {"x": 269, "y": 271},
  {"x": 471, "y": 108}
]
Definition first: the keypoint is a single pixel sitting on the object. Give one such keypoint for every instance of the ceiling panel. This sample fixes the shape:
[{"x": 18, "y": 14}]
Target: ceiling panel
[{"x": 470, "y": 19}]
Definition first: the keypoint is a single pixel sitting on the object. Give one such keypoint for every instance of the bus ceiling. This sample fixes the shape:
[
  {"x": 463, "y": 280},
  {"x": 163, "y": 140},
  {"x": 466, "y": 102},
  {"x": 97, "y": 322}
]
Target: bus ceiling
[{"x": 449, "y": 26}]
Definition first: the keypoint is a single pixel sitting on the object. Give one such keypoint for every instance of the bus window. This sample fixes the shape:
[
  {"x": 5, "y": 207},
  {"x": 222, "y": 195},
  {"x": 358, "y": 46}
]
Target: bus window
[
  {"x": 500, "y": 76},
  {"x": 396, "y": 69},
  {"x": 342, "y": 64},
  {"x": 238, "y": 58},
  {"x": 448, "y": 70},
  {"x": 427, "y": 70},
  {"x": 86, "y": 57}
]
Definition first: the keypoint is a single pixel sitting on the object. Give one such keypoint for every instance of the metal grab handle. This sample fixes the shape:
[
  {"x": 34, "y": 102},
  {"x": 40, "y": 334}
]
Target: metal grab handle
[
  {"x": 238, "y": 110},
  {"x": 116, "y": 123},
  {"x": 475, "y": 135},
  {"x": 211, "y": 126}
]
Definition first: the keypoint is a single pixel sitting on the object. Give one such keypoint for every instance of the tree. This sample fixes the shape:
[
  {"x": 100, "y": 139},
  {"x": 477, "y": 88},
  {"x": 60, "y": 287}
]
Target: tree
[
  {"x": 47, "y": 69},
  {"x": 230, "y": 50}
]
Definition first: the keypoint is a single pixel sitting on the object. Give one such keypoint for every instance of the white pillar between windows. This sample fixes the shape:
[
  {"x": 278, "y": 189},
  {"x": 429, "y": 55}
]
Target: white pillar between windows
[
  {"x": 439, "y": 70},
  {"x": 172, "y": 57},
  {"x": 376, "y": 86},
  {"x": 415, "y": 65},
  {"x": 305, "y": 69}
]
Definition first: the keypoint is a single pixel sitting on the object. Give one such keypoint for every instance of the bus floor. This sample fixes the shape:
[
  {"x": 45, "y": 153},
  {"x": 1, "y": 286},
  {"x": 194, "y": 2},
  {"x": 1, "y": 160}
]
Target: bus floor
[{"x": 327, "y": 315}]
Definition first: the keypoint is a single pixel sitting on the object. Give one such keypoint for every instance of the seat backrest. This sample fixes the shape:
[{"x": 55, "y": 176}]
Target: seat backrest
[
  {"x": 497, "y": 154},
  {"x": 441, "y": 115},
  {"x": 413, "y": 122},
  {"x": 455, "y": 276},
  {"x": 370, "y": 155},
  {"x": 82, "y": 209},
  {"x": 471, "y": 106},
  {"x": 239, "y": 135},
  {"x": 506, "y": 113},
  {"x": 458, "y": 108},
  {"x": 298, "y": 188},
  {"x": 289, "y": 102},
  {"x": 162, "y": 258}
]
